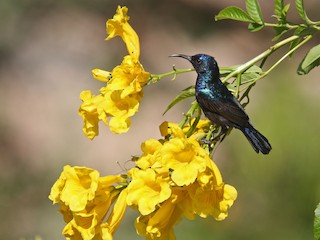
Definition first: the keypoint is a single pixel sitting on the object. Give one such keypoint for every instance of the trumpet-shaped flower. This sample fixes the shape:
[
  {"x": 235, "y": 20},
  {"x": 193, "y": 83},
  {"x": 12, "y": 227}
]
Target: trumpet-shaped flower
[
  {"x": 210, "y": 195},
  {"x": 92, "y": 110},
  {"x": 119, "y": 26},
  {"x": 75, "y": 187},
  {"x": 150, "y": 157},
  {"x": 85, "y": 198},
  {"x": 159, "y": 224},
  {"x": 120, "y": 98},
  {"x": 129, "y": 77},
  {"x": 147, "y": 190},
  {"x": 184, "y": 156}
]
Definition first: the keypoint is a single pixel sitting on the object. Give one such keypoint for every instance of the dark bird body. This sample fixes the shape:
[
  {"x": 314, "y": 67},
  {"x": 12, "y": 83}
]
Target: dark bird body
[{"x": 219, "y": 105}]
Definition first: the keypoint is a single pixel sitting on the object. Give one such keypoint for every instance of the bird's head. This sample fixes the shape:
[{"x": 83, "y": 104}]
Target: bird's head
[{"x": 201, "y": 62}]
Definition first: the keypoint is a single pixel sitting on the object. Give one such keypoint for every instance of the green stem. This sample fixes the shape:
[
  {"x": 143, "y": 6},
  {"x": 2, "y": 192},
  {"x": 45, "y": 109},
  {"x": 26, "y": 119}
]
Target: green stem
[
  {"x": 258, "y": 58},
  {"x": 195, "y": 123},
  {"x": 238, "y": 86},
  {"x": 287, "y": 25},
  {"x": 189, "y": 114},
  {"x": 156, "y": 77},
  {"x": 286, "y": 55},
  {"x": 278, "y": 62}
]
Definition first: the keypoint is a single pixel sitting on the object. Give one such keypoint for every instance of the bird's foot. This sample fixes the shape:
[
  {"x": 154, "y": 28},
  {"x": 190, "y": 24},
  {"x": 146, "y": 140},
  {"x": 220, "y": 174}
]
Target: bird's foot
[
  {"x": 220, "y": 137},
  {"x": 205, "y": 141}
]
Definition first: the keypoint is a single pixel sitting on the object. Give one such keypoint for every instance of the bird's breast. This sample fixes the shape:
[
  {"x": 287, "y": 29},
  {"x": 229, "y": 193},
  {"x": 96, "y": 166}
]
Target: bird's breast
[{"x": 208, "y": 91}]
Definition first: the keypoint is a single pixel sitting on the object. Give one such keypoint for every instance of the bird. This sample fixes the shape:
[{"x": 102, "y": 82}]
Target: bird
[{"x": 219, "y": 105}]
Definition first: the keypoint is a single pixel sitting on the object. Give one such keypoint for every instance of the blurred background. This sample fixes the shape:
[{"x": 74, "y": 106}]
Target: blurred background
[{"x": 47, "y": 51}]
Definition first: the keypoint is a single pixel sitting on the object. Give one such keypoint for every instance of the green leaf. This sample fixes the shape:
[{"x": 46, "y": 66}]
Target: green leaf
[
  {"x": 224, "y": 71},
  {"x": 186, "y": 93},
  {"x": 254, "y": 69},
  {"x": 233, "y": 13},
  {"x": 249, "y": 77},
  {"x": 300, "y": 9},
  {"x": 316, "y": 224},
  {"x": 254, "y": 11},
  {"x": 280, "y": 30},
  {"x": 255, "y": 27},
  {"x": 278, "y": 7},
  {"x": 281, "y": 11},
  {"x": 307, "y": 31},
  {"x": 311, "y": 60},
  {"x": 302, "y": 12},
  {"x": 251, "y": 74},
  {"x": 285, "y": 11}
]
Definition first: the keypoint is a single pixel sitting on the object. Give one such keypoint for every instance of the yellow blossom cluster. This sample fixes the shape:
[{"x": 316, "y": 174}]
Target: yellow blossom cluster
[
  {"x": 85, "y": 199},
  {"x": 176, "y": 178},
  {"x": 173, "y": 178},
  {"x": 119, "y": 99}
]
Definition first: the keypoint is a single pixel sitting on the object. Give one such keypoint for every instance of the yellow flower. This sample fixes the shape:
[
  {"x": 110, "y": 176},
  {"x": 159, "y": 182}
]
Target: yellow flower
[
  {"x": 214, "y": 201},
  {"x": 101, "y": 75},
  {"x": 113, "y": 221},
  {"x": 159, "y": 224},
  {"x": 147, "y": 190},
  {"x": 75, "y": 187},
  {"x": 120, "y": 110},
  {"x": 120, "y": 98},
  {"x": 129, "y": 77},
  {"x": 92, "y": 110},
  {"x": 184, "y": 156},
  {"x": 210, "y": 195},
  {"x": 149, "y": 158},
  {"x": 119, "y": 26},
  {"x": 85, "y": 198},
  {"x": 206, "y": 196},
  {"x": 202, "y": 126}
]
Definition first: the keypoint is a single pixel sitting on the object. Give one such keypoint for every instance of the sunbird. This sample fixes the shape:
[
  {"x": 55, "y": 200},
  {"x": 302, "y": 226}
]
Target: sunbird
[{"x": 218, "y": 103}]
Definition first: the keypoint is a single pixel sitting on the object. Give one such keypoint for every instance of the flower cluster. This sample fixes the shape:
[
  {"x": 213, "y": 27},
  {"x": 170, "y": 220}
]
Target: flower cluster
[
  {"x": 85, "y": 199},
  {"x": 176, "y": 178},
  {"x": 173, "y": 178},
  {"x": 120, "y": 98}
]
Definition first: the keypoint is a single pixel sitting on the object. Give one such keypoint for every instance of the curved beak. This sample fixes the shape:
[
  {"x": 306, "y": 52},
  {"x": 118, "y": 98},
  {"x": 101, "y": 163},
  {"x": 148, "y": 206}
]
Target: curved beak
[{"x": 182, "y": 56}]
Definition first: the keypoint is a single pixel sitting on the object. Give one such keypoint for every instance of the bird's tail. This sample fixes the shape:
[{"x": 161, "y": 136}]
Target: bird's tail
[{"x": 257, "y": 140}]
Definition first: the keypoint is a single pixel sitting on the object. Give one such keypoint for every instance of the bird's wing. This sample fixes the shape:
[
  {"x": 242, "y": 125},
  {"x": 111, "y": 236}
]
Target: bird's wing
[{"x": 229, "y": 109}]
